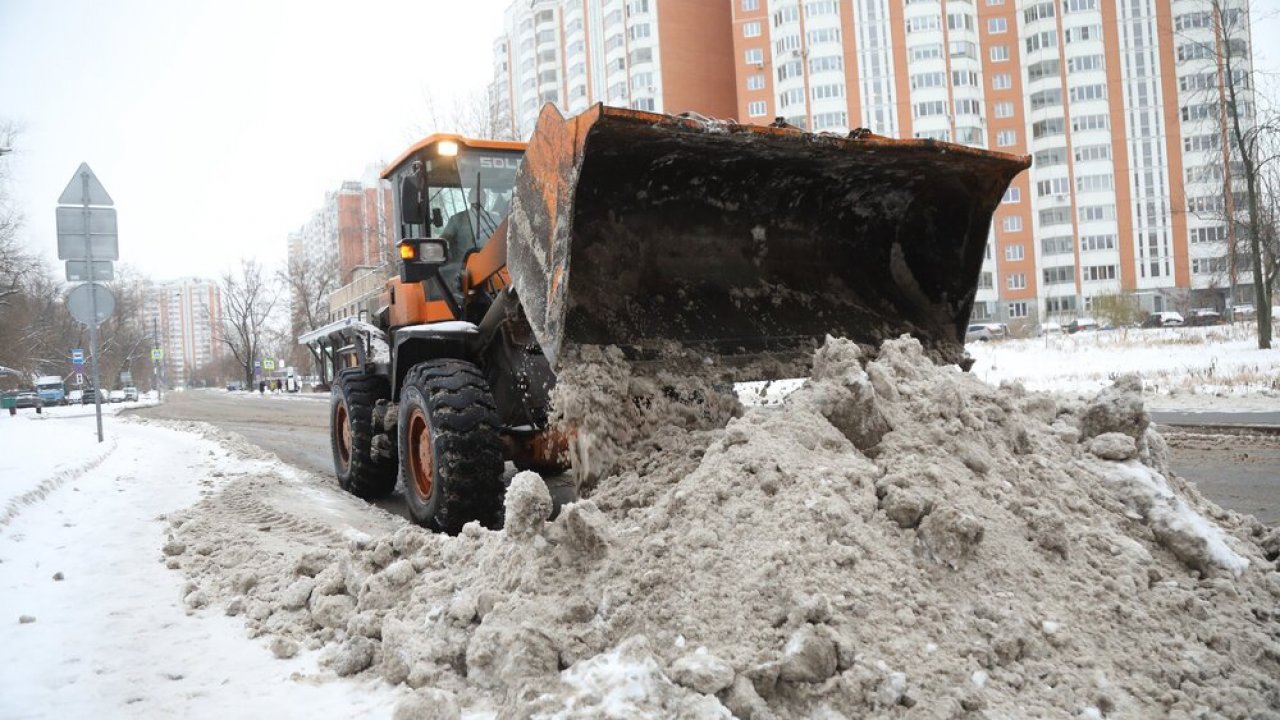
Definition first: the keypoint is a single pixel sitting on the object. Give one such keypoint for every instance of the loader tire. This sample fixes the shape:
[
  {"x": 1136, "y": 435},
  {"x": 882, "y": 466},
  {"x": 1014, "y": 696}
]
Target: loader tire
[
  {"x": 360, "y": 470},
  {"x": 450, "y": 450}
]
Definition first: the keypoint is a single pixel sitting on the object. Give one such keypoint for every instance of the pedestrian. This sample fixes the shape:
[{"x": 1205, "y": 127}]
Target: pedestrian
[{"x": 262, "y": 386}]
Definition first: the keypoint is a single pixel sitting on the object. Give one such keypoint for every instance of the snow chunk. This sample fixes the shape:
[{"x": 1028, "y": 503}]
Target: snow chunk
[
  {"x": 1190, "y": 536},
  {"x": 625, "y": 682}
]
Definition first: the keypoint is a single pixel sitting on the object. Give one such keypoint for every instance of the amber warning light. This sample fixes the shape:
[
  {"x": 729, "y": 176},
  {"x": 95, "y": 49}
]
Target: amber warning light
[{"x": 425, "y": 251}]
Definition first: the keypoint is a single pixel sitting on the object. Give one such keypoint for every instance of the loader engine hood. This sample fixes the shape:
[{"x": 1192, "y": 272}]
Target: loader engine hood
[{"x": 650, "y": 232}]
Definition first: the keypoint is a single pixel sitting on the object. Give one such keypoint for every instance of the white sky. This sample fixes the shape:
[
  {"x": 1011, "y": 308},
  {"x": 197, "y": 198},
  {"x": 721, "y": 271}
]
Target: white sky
[{"x": 217, "y": 126}]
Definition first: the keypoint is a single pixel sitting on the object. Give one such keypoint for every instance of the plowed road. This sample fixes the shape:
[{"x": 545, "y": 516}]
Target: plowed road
[{"x": 1240, "y": 471}]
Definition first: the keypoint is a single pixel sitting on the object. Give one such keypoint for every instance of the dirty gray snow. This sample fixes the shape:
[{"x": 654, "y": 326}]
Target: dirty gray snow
[{"x": 897, "y": 539}]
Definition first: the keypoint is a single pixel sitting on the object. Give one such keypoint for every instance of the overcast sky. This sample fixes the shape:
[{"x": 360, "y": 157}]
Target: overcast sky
[{"x": 218, "y": 126}]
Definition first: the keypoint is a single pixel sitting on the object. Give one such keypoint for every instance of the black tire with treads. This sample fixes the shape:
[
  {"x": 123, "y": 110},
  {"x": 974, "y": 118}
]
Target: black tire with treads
[
  {"x": 447, "y": 405},
  {"x": 360, "y": 470}
]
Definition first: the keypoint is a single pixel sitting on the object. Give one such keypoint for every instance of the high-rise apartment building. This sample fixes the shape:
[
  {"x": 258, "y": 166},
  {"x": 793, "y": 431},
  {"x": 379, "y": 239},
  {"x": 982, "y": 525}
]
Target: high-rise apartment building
[
  {"x": 1119, "y": 104},
  {"x": 667, "y": 56},
  {"x": 187, "y": 316}
]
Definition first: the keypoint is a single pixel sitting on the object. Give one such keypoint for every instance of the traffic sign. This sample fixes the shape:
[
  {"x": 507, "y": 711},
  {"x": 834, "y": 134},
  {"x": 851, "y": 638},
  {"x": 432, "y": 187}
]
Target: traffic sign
[
  {"x": 157, "y": 354},
  {"x": 104, "y": 242},
  {"x": 81, "y": 301},
  {"x": 77, "y": 356},
  {"x": 84, "y": 189},
  {"x": 268, "y": 364},
  {"x": 90, "y": 270},
  {"x": 79, "y": 378}
]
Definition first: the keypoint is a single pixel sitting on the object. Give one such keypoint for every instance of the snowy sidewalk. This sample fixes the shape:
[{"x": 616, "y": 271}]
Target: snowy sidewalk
[{"x": 91, "y": 622}]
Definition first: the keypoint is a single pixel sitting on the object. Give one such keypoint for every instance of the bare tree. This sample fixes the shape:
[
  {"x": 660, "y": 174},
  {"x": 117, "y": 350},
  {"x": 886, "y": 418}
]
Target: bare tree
[
  {"x": 247, "y": 301},
  {"x": 15, "y": 262},
  {"x": 309, "y": 288},
  {"x": 1248, "y": 134},
  {"x": 468, "y": 113}
]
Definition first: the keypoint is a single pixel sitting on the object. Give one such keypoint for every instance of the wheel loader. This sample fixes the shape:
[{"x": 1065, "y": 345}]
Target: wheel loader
[{"x": 636, "y": 230}]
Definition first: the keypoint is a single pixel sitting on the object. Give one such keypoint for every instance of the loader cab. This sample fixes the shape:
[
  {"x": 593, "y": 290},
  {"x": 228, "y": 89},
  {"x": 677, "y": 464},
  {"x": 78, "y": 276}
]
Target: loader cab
[{"x": 451, "y": 187}]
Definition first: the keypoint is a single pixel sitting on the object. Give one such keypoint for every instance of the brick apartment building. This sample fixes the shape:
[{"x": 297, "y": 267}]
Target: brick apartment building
[
  {"x": 668, "y": 56},
  {"x": 1119, "y": 104}
]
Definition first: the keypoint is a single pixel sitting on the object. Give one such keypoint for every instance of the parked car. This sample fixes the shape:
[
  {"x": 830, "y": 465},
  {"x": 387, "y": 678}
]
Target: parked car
[
  {"x": 75, "y": 396},
  {"x": 19, "y": 399},
  {"x": 90, "y": 396},
  {"x": 1164, "y": 319},
  {"x": 116, "y": 396},
  {"x": 978, "y": 333},
  {"x": 1082, "y": 325},
  {"x": 1204, "y": 316},
  {"x": 1244, "y": 312},
  {"x": 1052, "y": 328},
  {"x": 131, "y": 394}
]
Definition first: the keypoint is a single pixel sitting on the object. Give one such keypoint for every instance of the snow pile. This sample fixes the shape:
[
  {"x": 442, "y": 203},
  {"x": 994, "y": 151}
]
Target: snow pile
[{"x": 896, "y": 539}]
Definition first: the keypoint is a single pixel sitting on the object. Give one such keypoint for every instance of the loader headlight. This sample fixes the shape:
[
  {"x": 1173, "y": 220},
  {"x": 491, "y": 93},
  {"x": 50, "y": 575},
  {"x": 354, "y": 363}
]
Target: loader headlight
[{"x": 428, "y": 252}]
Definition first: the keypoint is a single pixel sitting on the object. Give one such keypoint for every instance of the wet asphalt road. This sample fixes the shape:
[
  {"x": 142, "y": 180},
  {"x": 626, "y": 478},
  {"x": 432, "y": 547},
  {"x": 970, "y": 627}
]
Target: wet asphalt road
[{"x": 1237, "y": 471}]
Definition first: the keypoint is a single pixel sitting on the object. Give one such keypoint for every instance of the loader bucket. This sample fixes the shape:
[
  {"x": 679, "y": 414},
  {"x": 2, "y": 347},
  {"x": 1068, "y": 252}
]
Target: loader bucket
[{"x": 643, "y": 230}]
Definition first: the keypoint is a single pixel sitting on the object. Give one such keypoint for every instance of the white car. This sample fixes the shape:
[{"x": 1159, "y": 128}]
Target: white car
[
  {"x": 116, "y": 396},
  {"x": 978, "y": 332},
  {"x": 1052, "y": 328}
]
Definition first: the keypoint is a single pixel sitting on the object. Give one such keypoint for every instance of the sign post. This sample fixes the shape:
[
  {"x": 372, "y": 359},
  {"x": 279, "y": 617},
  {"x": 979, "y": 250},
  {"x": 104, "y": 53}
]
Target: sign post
[{"x": 87, "y": 236}]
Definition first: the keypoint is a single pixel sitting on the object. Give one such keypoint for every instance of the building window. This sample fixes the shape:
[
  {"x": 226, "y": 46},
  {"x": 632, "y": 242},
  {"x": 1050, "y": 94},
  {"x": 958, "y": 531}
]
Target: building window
[
  {"x": 830, "y": 120},
  {"x": 1060, "y": 245},
  {"x": 751, "y": 29},
  {"x": 1053, "y": 186},
  {"x": 1005, "y": 138},
  {"x": 929, "y": 109},
  {"x": 1012, "y": 223},
  {"x": 1017, "y": 309},
  {"x": 1001, "y": 81},
  {"x": 755, "y": 82},
  {"x": 1004, "y": 109},
  {"x": 749, "y": 5},
  {"x": 754, "y": 56},
  {"x": 1059, "y": 275},
  {"x": 821, "y": 92},
  {"x": 997, "y": 25},
  {"x": 923, "y": 23},
  {"x": 1014, "y": 252},
  {"x": 1099, "y": 272},
  {"x": 999, "y": 53},
  {"x": 1098, "y": 242},
  {"x": 1016, "y": 281},
  {"x": 1012, "y": 195},
  {"x": 757, "y": 108},
  {"x": 984, "y": 281}
]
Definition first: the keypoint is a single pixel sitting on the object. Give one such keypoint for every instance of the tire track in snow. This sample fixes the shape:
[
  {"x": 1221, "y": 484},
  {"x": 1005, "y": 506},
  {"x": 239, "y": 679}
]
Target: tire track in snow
[{"x": 16, "y": 505}]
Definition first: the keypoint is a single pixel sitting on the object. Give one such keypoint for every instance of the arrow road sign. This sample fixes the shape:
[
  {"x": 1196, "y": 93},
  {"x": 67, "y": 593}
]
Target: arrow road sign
[
  {"x": 81, "y": 301},
  {"x": 89, "y": 270},
  {"x": 79, "y": 192},
  {"x": 103, "y": 240}
]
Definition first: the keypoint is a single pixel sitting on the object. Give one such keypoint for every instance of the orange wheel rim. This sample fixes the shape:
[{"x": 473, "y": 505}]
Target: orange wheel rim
[
  {"x": 344, "y": 434},
  {"x": 420, "y": 460}
]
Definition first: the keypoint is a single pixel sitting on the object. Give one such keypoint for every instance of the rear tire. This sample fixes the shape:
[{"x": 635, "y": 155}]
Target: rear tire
[
  {"x": 360, "y": 471},
  {"x": 450, "y": 450}
]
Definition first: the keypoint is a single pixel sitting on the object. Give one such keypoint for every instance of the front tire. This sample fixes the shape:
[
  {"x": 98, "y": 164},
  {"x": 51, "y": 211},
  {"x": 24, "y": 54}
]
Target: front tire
[
  {"x": 450, "y": 450},
  {"x": 360, "y": 470}
]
